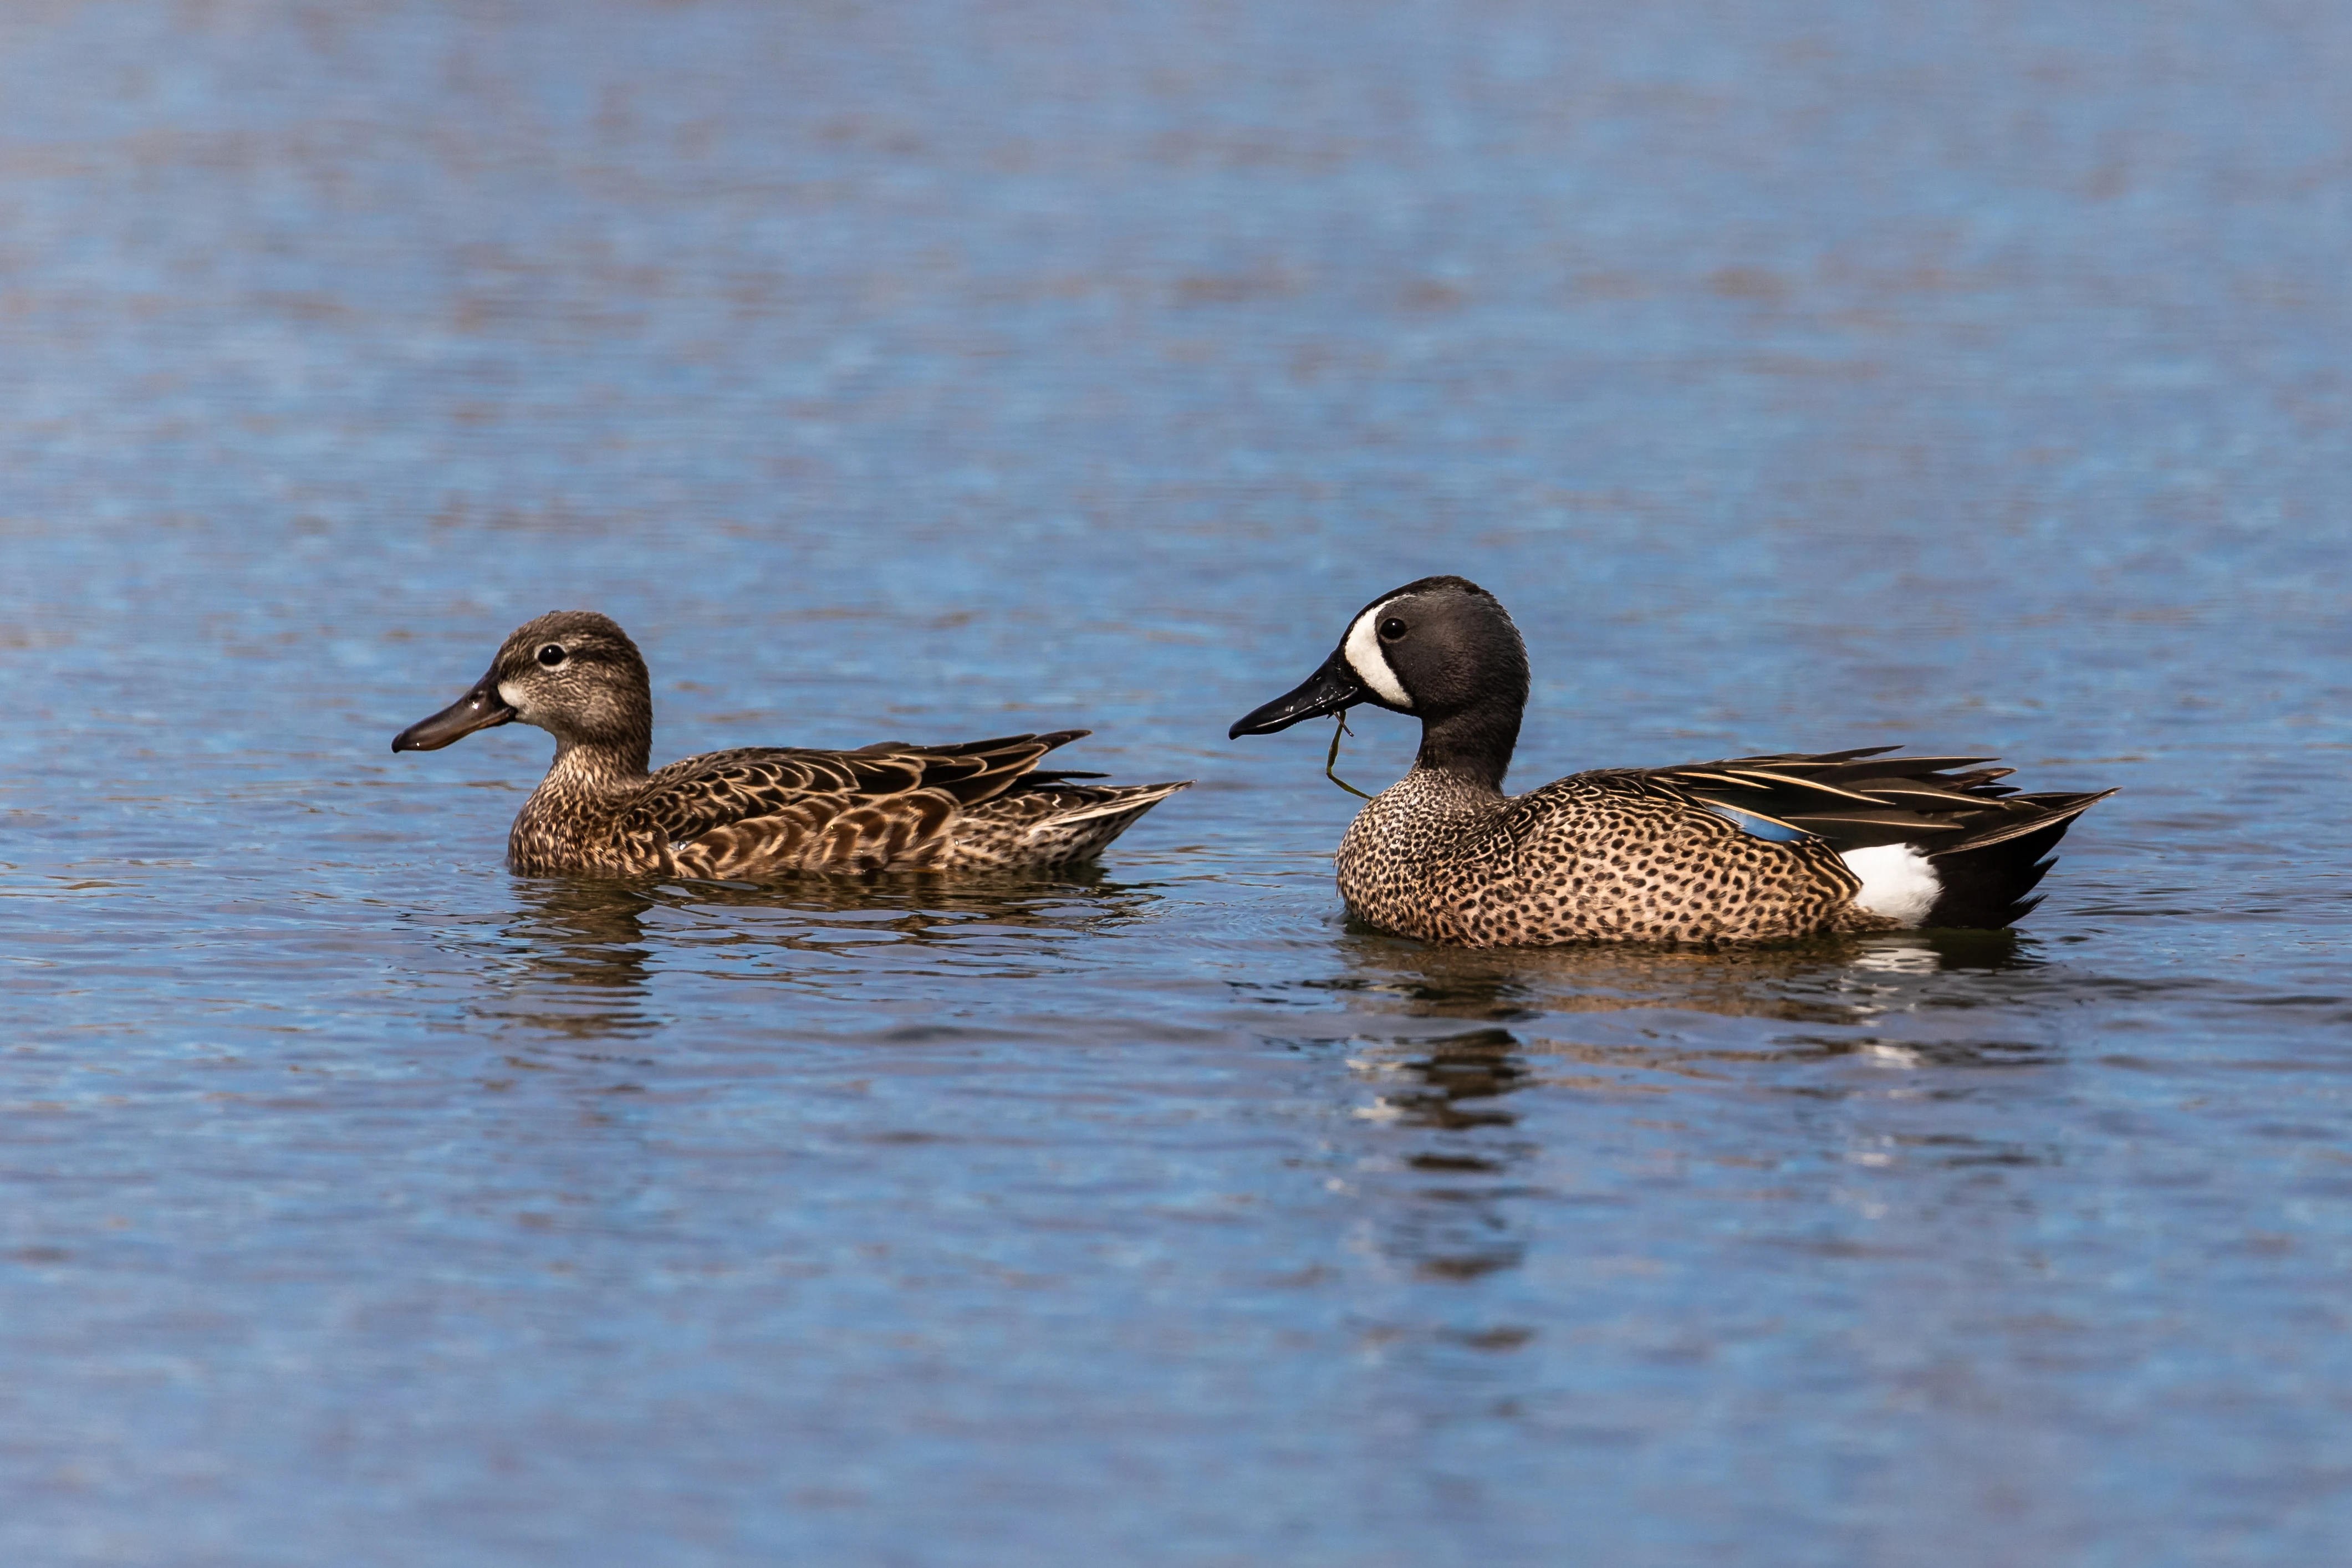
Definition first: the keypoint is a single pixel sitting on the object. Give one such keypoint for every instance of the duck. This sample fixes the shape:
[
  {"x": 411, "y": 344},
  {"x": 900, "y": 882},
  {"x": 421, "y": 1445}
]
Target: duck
[
  {"x": 1752, "y": 849},
  {"x": 760, "y": 813}
]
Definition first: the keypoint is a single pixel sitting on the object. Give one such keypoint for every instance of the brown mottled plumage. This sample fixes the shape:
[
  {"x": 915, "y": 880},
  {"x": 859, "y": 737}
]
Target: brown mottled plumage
[
  {"x": 760, "y": 811},
  {"x": 1752, "y": 849}
]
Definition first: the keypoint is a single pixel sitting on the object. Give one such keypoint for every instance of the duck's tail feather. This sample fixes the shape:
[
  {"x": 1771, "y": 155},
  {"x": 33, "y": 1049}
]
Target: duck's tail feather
[
  {"x": 1987, "y": 882},
  {"x": 1118, "y": 801}
]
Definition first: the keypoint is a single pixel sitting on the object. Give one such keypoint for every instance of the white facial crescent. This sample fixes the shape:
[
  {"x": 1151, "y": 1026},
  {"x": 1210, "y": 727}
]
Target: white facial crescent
[{"x": 1370, "y": 662}]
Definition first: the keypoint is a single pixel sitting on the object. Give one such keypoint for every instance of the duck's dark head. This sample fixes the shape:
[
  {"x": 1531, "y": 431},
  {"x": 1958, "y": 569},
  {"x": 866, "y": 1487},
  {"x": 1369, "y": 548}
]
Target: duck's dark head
[
  {"x": 572, "y": 673},
  {"x": 1443, "y": 649}
]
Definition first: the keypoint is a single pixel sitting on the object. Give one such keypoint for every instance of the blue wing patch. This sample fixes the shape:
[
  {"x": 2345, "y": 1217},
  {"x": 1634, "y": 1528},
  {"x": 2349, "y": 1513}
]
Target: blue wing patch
[{"x": 1756, "y": 827}]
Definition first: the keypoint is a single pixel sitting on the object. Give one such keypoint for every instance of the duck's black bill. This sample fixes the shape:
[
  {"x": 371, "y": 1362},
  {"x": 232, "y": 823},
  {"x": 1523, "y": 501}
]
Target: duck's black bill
[
  {"x": 479, "y": 709},
  {"x": 1326, "y": 691}
]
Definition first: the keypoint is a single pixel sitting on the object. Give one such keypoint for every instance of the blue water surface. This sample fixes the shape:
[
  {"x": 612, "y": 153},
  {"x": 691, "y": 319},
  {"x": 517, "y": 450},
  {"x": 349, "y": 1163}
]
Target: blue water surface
[{"x": 1956, "y": 374}]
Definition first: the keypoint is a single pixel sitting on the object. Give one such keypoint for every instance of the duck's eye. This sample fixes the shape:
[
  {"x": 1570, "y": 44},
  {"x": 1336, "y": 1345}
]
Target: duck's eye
[
  {"x": 551, "y": 655},
  {"x": 1392, "y": 629}
]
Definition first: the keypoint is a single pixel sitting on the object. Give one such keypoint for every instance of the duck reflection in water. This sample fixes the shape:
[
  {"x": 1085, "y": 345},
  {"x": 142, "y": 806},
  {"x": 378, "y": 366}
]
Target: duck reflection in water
[
  {"x": 1459, "y": 1033},
  {"x": 588, "y": 949},
  {"x": 1828, "y": 980},
  {"x": 584, "y": 957},
  {"x": 1442, "y": 1208}
]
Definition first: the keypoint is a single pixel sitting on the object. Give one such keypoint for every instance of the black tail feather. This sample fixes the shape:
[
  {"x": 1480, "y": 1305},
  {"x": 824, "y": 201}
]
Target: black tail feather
[
  {"x": 1990, "y": 842},
  {"x": 1986, "y": 882}
]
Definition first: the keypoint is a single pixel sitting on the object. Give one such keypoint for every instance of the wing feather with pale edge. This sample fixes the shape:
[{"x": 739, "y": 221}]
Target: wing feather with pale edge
[
  {"x": 1855, "y": 800},
  {"x": 879, "y": 805}
]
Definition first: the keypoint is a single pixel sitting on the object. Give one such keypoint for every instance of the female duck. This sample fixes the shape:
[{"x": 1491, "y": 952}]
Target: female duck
[
  {"x": 1755, "y": 848},
  {"x": 759, "y": 811}
]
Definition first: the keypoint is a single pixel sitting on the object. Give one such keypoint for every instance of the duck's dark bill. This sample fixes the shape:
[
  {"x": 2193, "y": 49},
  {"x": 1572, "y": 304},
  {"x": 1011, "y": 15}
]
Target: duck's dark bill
[
  {"x": 477, "y": 709},
  {"x": 1326, "y": 691}
]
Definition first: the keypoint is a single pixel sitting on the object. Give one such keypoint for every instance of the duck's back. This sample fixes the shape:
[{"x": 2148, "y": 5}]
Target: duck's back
[
  {"x": 769, "y": 810},
  {"x": 1751, "y": 849},
  {"x": 1608, "y": 855}
]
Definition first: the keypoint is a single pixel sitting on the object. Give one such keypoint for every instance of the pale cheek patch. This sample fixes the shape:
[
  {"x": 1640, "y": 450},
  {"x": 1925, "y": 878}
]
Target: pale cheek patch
[
  {"x": 1896, "y": 882},
  {"x": 1371, "y": 667},
  {"x": 512, "y": 694}
]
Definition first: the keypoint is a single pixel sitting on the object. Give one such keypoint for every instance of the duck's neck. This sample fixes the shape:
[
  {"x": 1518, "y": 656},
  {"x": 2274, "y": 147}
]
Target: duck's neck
[
  {"x": 559, "y": 828},
  {"x": 1471, "y": 745},
  {"x": 585, "y": 768}
]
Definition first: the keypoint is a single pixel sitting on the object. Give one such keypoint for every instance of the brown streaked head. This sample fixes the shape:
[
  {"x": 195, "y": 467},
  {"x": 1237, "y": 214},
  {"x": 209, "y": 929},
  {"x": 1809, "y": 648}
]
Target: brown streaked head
[{"x": 572, "y": 673}]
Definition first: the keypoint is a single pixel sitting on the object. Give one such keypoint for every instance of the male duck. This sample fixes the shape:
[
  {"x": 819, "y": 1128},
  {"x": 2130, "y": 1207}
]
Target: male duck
[
  {"x": 759, "y": 811},
  {"x": 1753, "y": 848}
]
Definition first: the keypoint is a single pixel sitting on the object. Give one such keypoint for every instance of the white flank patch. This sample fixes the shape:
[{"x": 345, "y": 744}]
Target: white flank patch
[
  {"x": 1372, "y": 666},
  {"x": 1896, "y": 882}
]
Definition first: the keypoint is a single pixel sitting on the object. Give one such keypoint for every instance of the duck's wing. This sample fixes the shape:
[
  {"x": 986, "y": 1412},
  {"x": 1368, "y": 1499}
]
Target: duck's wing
[
  {"x": 1047, "y": 821},
  {"x": 1864, "y": 798},
  {"x": 1986, "y": 841},
  {"x": 764, "y": 810}
]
